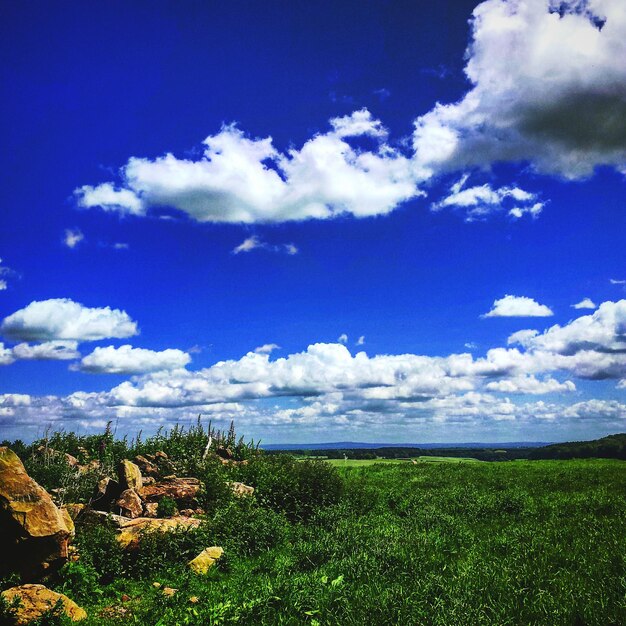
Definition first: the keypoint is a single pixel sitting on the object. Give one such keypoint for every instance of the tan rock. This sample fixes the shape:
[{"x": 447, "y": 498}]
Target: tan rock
[
  {"x": 151, "y": 509},
  {"x": 206, "y": 559},
  {"x": 241, "y": 490},
  {"x": 106, "y": 491},
  {"x": 161, "y": 455},
  {"x": 36, "y": 600},
  {"x": 130, "y": 504},
  {"x": 183, "y": 490},
  {"x": 34, "y": 535},
  {"x": 69, "y": 522},
  {"x": 74, "y": 510},
  {"x": 130, "y": 532},
  {"x": 147, "y": 467},
  {"x": 169, "y": 591},
  {"x": 194, "y": 599},
  {"x": 156, "y": 585},
  {"x": 224, "y": 452},
  {"x": 129, "y": 475}
]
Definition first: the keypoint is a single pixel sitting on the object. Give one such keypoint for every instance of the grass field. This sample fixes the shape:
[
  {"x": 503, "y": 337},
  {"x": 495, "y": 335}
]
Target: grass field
[
  {"x": 433, "y": 543},
  {"x": 418, "y": 459}
]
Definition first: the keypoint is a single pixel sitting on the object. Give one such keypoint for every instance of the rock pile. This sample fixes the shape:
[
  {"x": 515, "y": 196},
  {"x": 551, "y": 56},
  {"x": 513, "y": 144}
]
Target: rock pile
[{"x": 36, "y": 600}]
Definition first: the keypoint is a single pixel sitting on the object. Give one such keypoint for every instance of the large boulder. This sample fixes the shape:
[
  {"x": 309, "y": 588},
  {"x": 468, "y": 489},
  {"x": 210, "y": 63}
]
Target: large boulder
[
  {"x": 34, "y": 533},
  {"x": 129, "y": 475},
  {"x": 206, "y": 559},
  {"x": 36, "y": 600},
  {"x": 183, "y": 490},
  {"x": 107, "y": 490},
  {"x": 147, "y": 467},
  {"x": 130, "y": 503}
]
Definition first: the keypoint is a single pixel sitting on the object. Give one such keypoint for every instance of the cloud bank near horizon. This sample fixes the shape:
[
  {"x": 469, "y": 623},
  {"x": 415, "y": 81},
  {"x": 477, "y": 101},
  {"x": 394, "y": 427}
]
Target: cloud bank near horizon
[{"x": 331, "y": 386}]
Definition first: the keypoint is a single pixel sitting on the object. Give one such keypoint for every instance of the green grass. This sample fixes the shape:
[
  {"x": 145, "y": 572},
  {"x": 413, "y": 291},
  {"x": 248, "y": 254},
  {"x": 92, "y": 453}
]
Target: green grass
[
  {"x": 419, "y": 459},
  {"x": 433, "y": 543}
]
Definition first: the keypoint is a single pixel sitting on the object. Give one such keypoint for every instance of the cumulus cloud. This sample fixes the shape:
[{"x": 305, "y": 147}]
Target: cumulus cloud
[
  {"x": 47, "y": 351},
  {"x": 481, "y": 201},
  {"x": 267, "y": 348},
  {"x": 255, "y": 243},
  {"x": 585, "y": 303},
  {"x": 64, "y": 319},
  {"x": 343, "y": 338},
  {"x": 243, "y": 180},
  {"x": 6, "y": 355},
  {"x": 325, "y": 385},
  {"x": 129, "y": 360},
  {"x": 548, "y": 87},
  {"x": 518, "y": 306},
  {"x": 72, "y": 237},
  {"x": 360, "y": 341},
  {"x": 604, "y": 331}
]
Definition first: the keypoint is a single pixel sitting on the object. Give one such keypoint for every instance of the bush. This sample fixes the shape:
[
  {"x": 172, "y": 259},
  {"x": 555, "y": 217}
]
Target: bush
[
  {"x": 166, "y": 507},
  {"x": 297, "y": 488},
  {"x": 243, "y": 528},
  {"x": 99, "y": 549}
]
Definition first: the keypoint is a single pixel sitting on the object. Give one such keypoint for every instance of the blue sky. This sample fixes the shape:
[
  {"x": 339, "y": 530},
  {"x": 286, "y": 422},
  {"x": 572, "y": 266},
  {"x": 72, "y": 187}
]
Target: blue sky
[{"x": 325, "y": 222}]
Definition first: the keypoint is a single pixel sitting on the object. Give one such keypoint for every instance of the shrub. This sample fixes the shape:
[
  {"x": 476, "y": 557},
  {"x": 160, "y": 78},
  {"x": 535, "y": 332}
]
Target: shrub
[
  {"x": 99, "y": 548},
  {"x": 166, "y": 507},
  {"x": 298, "y": 488}
]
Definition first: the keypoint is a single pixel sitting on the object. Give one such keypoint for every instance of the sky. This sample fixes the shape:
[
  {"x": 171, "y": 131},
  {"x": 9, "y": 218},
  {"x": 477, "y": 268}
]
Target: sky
[{"x": 369, "y": 221}]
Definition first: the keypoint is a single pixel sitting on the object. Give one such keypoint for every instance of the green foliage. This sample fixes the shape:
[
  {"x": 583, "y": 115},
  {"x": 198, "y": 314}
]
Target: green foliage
[
  {"x": 166, "y": 507},
  {"x": 99, "y": 550},
  {"x": 297, "y": 488}
]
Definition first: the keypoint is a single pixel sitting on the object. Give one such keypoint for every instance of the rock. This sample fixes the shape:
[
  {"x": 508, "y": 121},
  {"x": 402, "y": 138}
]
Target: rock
[
  {"x": 241, "y": 490},
  {"x": 182, "y": 490},
  {"x": 156, "y": 585},
  {"x": 147, "y": 467},
  {"x": 69, "y": 522},
  {"x": 107, "y": 490},
  {"x": 148, "y": 480},
  {"x": 161, "y": 455},
  {"x": 224, "y": 453},
  {"x": 90, "y": 516},
  {"x": 130, "y": 504},
  {"x": 129, "y": 475},
  {"x": 125, "y": 598},
  {"x": 151, "y": 509},
  {"x": 74, "y": 510},
  {"x": 92, "y": 466},
  {"x": 169, "y": 591},
  {"x": 34, "y": 535},
  {"x": 36, "y": 600},
  {"x": 206, "y": 559},
  {"x": 187, "y": 512},
  {"x": 194, "y": 599},
  {"x": 131, "y": 531}
]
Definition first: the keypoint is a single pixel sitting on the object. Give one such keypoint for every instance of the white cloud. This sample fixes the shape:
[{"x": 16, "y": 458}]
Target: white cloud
[
  {"x": 243, "y": 180},
  {"x": 108, "y": 198},
  {"x": 548, "y": 87},
  {"x": 615, "y": 281},
  {"x": 267, "y": 348},
  {"x": 6, "y": 355},
  {"x": 3, "y": 284},
  {"x": 518, "y": 306},
  {"x": 4, "y": 271},
  {"x": 72, "y": 237},
  {"x": 360, "y": 341},
  {"x": 481, "y": 201},
  {"x": 343, "y": 338},
  {"x": 62, "y": 318},
  {"x": 255, "y": 243},
  {"x": 604, "y": 331},
  {"x": 48, "y": 351},
  {"x": 129, "y": 360},
  {"x": 586, "y": 303},
  {"x": 530, "y": 384}
]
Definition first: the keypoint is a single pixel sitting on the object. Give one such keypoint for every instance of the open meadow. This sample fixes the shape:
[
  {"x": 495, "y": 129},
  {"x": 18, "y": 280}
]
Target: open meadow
[{"x": 320, "y": 543}]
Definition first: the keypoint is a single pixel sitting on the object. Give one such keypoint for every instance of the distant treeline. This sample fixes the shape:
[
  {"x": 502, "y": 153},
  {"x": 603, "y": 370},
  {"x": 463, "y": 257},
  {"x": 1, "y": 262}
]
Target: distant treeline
[{"x": 611, "y": 447}]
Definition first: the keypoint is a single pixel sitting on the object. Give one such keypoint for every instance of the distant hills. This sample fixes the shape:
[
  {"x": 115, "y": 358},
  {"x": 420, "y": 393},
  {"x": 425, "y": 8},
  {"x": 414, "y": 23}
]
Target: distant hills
[
  {"x": 611, "y": 447},
  {"x": 357, "y": 445}
]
